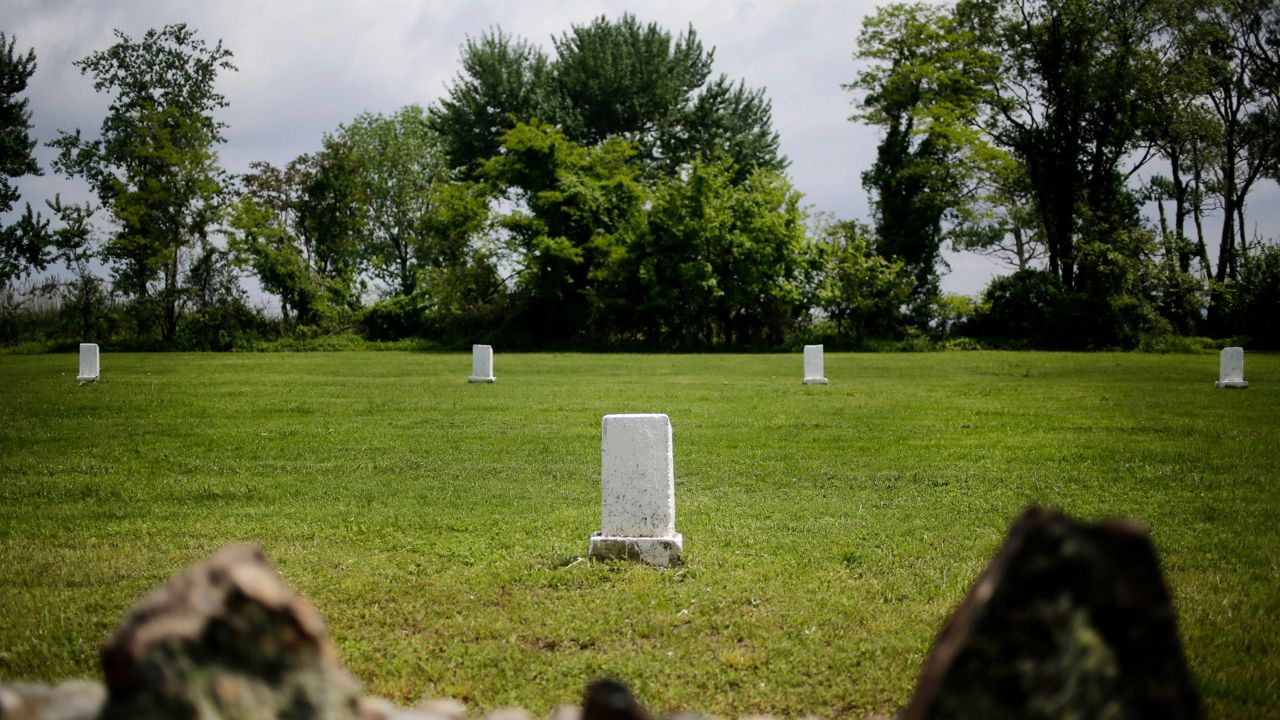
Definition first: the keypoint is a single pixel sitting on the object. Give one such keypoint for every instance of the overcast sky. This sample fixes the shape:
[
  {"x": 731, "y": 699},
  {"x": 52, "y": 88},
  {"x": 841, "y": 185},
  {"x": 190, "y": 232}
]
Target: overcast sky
[{"x": 306, "y": 66}]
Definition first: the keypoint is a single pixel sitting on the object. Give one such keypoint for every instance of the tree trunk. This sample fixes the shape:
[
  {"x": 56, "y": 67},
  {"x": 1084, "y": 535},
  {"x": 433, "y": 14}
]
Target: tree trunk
[
  {"x": 170, "y": 329},
  {"x": 1020, "y": 247},
  {"x": 1169, "y": 243},
  {"x": 1055, "y": 190},
  {"x": 1244, "y": 236},
  {"x": 1227, "y": 242},
  {"x": 408, "y": 281},
  {"x": 1197, "y": 210},
  {"x": 1226, "y": 245},
  {"x": 1180, "y": 213}
]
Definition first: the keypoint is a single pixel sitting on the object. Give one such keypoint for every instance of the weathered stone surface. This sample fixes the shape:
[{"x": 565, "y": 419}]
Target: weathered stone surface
[
  {"x": 607, "y": 699},
  {"x": 69, "y": 700},
  {"x": 375, "y": 708},
  {"x": 1068, "y": 620},
  {"x": 88, "y": 363},
  {"x": 482, "y": 364},
  {"x": 659, "y": 552},
  {"x": 509, "y": 713},
  {"x": 637, "y": 491},
  {"x": 1231, "y": 369},
  {"x": 566, "y": 712},
  {"x": 443, "y": 708},
  {"x": 813, "y": 365},
  {"x": 226, "y": 639},
  {"x": 689, "y": 715}
]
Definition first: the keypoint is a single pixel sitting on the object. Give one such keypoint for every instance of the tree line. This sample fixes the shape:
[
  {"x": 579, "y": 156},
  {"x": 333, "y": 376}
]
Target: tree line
[
  {"x": 615, "y": 192},
  {"x": 1035, "y": 130}
]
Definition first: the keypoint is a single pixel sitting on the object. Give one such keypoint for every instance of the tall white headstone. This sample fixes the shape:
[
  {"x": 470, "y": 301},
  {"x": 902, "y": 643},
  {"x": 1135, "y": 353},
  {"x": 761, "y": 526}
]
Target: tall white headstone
[
  {"x": 1231, "y": 368},
  {"x": 638, "y": 491},
  {"x": 88, "y": 363},
  {"x": 481, "y": 364},
  {"x": 813, "y": 373}
]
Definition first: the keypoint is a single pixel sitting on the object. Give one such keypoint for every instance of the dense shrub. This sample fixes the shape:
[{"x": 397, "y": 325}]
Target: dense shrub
[
  {"x": 1031, "y": 308},
  {"x": 1250, "y": 305},
  {"x": 1022, "y": 308},
  {"x": 392, "y": 318}
]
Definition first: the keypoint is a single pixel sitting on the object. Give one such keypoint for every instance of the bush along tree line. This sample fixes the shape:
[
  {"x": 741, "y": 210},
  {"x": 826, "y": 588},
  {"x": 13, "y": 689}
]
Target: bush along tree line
[{"x": 614, "y": 192}]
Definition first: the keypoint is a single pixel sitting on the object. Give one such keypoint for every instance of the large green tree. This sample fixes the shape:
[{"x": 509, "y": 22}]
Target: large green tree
[
  {"x": 924, "y": 85},
  {"x": 154, "y": 167},
  {"x": 333, "y": 217},
  {"x": 699, "y": 261},
  {"x": 861, "y": 292},
  {"x": 298, "y": 228},
  {"x": 265, "y": 237},
  {"x": 503, "y": 80},
  {"x": 402, "y": 174},
  {"x": 1178, "y": 125},
  {"x": 23, "y": 243},
  {"x": 719, "y": 263},
  {"x": 574, "y": 212},
  {"x": 1068, "y": 105},
  {"x": 1222, "y": 35},
  {"x": 624, "y": 79},
  {"x": 608, "y": 79}
]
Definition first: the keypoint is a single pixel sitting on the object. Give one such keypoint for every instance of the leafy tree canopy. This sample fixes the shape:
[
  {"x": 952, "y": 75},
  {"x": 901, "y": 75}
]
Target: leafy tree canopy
[
  {"x": 153, "y": 166},
  {"x": 298, "y": 228},
  {"x": 402, "y": 169},
  {"x": 607, "y": 79},
  {"x": 925, "y": 85},
  {"x": 23, "y": 244}
]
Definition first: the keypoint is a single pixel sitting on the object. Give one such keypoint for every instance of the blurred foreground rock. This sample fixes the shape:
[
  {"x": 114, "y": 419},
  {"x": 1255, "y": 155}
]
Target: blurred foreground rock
[
  {"x": 1068, "y": 620},
  {"x": 608, "y": 699},
  {"x": 226, "y": 639},
  {"x": 70, "y": 700}
]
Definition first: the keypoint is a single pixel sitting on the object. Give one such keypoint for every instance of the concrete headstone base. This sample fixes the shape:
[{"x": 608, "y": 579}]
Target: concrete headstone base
[
  {"x": 1230, "y": 384},
  {"x": 815, "y": 381},
  {"x": 657, "y": 551},
  {"x": 474, "y": 379}
]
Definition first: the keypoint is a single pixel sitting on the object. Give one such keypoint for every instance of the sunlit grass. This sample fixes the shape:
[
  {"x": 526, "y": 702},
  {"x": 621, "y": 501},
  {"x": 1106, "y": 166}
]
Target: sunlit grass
[{"x": 828, "y": 529}]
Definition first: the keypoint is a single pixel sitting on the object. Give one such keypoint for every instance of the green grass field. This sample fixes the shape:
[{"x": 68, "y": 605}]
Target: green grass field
[{"x": 440, "y": 526}]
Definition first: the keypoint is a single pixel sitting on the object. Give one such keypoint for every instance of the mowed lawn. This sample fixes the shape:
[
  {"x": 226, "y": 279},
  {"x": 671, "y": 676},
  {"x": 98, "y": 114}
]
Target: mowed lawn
[{"x": 440, "y": 526}]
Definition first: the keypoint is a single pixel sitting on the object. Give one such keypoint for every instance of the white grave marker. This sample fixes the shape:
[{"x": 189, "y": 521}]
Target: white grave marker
[
  {"x": 813, "y": 365},
  {"x": 1231, "y": 368},
  {"x": 482, "y": 364},
  {"x": 638, "y": 491},
  {"x": 88, "y": 363}
]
